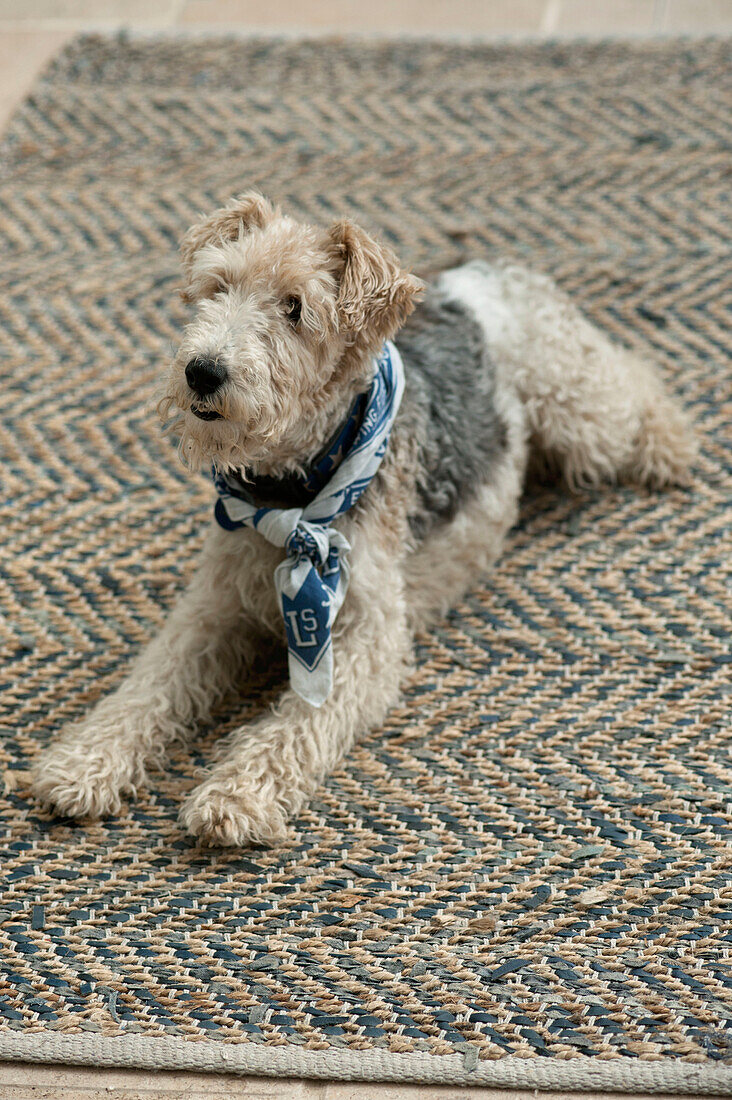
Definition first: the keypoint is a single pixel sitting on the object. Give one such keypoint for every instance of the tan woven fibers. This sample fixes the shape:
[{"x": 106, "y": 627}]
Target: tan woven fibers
[{"x": 531, "y": 860}]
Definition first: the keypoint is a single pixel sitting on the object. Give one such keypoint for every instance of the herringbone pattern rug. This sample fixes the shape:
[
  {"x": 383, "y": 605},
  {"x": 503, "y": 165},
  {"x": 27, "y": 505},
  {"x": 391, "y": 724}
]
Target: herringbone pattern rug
[{"x": 531, "y": 860}]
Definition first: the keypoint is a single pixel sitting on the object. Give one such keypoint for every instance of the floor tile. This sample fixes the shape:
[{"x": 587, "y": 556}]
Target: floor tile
[
  {"x": 698, "y": 16},
  {"x": 22, "y": 55},
  {"x": 382, "y": 16},
  {"x": 619, "y": 17},
  {"x": 93, "y": 12},
  {"x": 23, "y": 1082}
]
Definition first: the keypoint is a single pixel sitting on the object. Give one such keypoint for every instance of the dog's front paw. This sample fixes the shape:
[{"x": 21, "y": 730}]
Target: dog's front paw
[
  {"x": 79, "y": 781},
  {"x": 233, "y": 815}
]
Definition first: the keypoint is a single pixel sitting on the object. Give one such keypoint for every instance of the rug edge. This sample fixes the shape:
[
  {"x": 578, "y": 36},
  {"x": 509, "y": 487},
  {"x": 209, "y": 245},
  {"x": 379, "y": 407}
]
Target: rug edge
[{"x": 580, "y": 1074}]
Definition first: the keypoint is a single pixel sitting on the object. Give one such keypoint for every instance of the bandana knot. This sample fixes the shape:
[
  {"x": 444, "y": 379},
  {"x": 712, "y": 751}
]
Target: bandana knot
[{"x": 309, "y": 541}]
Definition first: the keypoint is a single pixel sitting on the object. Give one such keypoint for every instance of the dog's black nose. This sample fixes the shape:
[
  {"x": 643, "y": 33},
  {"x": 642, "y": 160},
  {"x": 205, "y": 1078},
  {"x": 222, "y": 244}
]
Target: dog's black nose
[{"x": 204, "y": 376}]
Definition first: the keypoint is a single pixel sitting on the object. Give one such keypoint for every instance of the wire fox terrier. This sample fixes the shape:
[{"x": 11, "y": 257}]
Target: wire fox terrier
[{"x": 362, "y": 487}]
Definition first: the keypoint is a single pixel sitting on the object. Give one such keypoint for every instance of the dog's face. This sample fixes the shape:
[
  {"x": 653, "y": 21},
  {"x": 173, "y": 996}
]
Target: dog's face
[{"x": 288, "y": 319}]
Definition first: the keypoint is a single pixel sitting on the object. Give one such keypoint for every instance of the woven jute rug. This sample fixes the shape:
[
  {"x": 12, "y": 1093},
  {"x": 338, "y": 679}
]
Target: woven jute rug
[{"x": 524, "y": 877}]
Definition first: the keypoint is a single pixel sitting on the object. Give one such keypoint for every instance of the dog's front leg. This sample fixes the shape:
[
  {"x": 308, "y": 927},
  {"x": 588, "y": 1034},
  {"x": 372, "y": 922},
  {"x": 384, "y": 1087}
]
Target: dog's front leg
[
  {"x": 273, "y": 767},
  {"x": 175, "y": 681}
]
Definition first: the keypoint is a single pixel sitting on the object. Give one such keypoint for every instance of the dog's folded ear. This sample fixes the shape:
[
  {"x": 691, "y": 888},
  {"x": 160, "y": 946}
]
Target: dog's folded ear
[
  {"x": 375, "y": 296},
  {"x": 240, "y": 216}
]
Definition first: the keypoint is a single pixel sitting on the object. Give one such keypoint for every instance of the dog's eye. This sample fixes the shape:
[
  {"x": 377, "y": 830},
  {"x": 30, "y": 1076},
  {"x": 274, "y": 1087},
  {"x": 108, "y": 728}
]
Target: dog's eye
[{"x": 293, "y": 309}]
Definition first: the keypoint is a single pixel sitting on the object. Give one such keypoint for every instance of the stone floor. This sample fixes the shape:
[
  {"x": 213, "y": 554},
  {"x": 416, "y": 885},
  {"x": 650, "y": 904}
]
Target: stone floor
[{"x": 31, "y": 31}]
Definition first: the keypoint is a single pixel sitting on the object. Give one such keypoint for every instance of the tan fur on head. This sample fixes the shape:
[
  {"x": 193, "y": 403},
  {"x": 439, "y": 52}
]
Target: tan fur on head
[
  {"x": 240, "y": 214},
  {"x": 290, "y": 376}
]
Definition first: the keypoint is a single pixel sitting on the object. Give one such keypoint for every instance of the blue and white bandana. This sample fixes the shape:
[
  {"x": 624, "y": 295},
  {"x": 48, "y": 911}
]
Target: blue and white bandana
[{"x": 312, "y": 580}]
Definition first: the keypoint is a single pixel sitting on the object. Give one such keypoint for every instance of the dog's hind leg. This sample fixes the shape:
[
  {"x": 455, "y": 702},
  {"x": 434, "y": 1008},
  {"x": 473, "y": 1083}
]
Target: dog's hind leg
[
  {"x": 594, "y": 409},
  {"x": 176, "y": 680}
]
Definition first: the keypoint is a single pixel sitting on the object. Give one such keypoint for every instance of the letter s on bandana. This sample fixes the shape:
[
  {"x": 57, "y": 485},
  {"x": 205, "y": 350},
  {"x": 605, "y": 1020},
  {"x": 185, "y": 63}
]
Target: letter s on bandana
[{"x": 312, "y": 580}]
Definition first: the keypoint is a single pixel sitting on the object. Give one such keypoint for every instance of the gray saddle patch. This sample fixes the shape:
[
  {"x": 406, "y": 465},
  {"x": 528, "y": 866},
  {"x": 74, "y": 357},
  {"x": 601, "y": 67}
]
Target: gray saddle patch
[{"x": 449, "y": 403}]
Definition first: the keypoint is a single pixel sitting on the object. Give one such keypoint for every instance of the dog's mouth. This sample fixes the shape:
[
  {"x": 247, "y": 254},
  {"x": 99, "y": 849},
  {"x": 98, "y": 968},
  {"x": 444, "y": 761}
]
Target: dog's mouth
[{"x": 205, "y": 414}]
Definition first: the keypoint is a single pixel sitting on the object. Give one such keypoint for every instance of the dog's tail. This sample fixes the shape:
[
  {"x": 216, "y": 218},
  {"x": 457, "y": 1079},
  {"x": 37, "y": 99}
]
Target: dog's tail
[{"x": 595, "y": 410}]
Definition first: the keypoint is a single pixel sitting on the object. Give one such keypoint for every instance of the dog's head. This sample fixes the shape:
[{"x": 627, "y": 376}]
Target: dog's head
[{"x": 288, "y": 319}]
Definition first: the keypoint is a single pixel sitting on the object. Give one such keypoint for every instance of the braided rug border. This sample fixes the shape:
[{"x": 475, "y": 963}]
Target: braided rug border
[{"x": 581, "y": 1073}]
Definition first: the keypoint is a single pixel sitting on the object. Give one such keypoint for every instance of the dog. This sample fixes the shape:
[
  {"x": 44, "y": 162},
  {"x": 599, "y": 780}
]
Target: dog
[{"x": 292, "y": 325}]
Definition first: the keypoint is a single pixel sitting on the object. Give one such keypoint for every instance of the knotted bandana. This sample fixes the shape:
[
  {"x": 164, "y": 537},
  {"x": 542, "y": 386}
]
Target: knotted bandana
[{"x": 312, "y": 580}]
